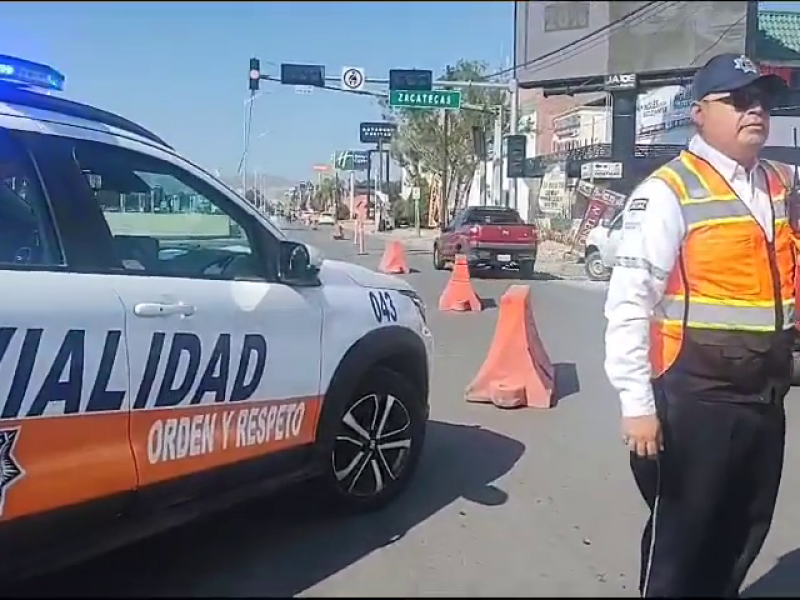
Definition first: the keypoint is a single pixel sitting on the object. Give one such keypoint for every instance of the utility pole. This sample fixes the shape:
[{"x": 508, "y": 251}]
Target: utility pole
[
  {"x": 512, "y": 130},
  {"x": 443, "y": 216}
]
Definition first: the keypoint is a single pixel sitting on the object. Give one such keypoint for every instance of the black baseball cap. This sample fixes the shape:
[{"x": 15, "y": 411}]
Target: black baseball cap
[{"x": 730, "y": 72}]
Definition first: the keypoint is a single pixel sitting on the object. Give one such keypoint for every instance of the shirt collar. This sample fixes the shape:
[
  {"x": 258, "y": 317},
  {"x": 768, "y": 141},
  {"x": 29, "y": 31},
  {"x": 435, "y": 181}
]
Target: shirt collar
[{"x": 726, "y": 167}]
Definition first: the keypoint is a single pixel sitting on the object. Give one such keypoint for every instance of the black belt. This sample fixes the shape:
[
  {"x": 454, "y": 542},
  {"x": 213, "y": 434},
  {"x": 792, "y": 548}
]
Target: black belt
[{"x": 773, "y": 393}]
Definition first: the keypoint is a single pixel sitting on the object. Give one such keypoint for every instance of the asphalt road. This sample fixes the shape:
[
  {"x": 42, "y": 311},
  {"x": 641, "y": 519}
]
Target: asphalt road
[{"x": 506, "y": 503}]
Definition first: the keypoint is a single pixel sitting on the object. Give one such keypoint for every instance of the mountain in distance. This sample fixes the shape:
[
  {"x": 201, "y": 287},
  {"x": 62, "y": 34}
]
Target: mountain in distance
[{"x": 272, "y": 185}]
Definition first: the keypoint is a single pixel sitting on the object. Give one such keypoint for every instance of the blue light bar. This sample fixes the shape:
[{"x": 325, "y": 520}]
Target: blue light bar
[{"x": 28, "y": 73}]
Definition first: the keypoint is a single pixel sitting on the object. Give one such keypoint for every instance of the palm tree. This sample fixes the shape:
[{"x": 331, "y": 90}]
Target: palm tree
[{"x": 328, "y": 194}]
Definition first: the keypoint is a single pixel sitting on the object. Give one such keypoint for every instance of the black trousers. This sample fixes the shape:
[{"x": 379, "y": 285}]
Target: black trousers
[{"x": 711, "y": 495}]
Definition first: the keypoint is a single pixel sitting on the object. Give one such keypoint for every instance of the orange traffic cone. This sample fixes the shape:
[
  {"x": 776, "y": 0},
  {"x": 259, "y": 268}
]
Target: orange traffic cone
[
  {"x": 517, "y": 371},
  {"x": 338, "y": 231},
  {"x": 394, "y": 259},
  {"x": 458, "y": 295}
]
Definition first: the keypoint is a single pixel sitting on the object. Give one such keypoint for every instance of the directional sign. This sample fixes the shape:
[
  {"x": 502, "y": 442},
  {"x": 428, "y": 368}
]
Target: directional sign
[
  {"x": 446, "y": 99},
  {"x": 313, "y": 75},
  {"x": 353, "y": 79},
  {"x": 372, "y": 133}
]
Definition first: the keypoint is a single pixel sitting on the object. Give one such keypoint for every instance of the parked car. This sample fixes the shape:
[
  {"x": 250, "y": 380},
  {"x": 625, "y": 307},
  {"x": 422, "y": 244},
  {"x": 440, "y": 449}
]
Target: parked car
[
  {"x": 489, "y": 236},
  {"x": 326, "y": 218}
]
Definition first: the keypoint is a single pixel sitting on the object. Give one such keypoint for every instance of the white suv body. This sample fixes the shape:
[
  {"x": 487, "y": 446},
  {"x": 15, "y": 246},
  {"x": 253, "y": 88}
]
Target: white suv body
[{"x": 165, "y": 349}]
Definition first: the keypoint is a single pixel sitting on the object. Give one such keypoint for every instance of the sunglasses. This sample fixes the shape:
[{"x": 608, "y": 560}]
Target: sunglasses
[{"x": 746, "y": 98}]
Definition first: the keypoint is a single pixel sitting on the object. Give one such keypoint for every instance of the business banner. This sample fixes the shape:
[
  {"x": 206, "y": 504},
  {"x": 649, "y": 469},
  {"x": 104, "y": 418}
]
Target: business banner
[
  {"x": 661, "y": 110},
  {"x": 599, "y": 201}
]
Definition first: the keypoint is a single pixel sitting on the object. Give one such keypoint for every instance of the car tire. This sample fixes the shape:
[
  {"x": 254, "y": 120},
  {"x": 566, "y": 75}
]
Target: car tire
[
  {"x": 438, "y": 263},
  {"x": 595, "y": 269},
  {"x": 527, "y": 269},
  {"x": 360, "y": 475}
]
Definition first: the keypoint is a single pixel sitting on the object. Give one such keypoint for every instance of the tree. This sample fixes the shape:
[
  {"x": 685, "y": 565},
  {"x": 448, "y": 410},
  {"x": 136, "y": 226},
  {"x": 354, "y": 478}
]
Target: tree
[
  {"x": 421, "y": 144},
  {"x": 328, "y": 195}
]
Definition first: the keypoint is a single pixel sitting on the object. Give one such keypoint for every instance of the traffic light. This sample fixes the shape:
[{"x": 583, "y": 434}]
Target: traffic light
[
  {"x": 255, "y": 74},
  {"x": 516, "y": 147},
  {"x": 479, "y": 142}
]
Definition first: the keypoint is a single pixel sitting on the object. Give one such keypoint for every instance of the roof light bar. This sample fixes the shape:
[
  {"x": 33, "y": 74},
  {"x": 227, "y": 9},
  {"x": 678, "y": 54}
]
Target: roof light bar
[{"x": 30, "y": 74}]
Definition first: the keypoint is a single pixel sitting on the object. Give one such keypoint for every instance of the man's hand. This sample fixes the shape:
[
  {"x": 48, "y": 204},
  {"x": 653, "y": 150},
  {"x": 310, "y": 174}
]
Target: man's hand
[{"x": 642, "y": 435}]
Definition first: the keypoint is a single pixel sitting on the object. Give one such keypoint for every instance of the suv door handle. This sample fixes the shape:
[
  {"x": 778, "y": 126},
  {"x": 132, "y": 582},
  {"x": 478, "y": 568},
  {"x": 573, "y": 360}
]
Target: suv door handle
[{"x": 159, "y": 309}]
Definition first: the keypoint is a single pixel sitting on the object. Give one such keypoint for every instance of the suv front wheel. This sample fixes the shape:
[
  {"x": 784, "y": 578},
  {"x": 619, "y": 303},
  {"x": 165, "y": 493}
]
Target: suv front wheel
[
  {"x": 374, "y": 444},
  {"x": 438, "y": 262},
  {"x": 595, "y": 269}
]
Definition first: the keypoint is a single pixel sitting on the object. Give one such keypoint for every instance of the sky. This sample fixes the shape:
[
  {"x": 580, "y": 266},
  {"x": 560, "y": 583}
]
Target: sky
[{"x": 180, "y": 69}]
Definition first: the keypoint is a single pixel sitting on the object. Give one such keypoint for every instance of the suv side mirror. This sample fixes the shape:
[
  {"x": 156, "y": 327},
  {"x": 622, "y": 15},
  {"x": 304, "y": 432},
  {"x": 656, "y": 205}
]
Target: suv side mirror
[{"x": 299, "y": 264}]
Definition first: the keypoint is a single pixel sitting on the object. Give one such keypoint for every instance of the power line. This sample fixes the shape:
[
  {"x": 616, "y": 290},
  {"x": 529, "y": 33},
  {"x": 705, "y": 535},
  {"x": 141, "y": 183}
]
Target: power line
[
  {"x": 580, "y": 40},
  {"x": 588, "y": 81},
  {"x": 719, "y": 39},
  {"x": 557, "y": 60}
]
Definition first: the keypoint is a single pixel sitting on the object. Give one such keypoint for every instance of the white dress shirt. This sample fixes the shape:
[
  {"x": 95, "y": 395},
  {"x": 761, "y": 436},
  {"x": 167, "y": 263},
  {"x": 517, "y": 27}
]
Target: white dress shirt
[{"x": 647, "y": 251}]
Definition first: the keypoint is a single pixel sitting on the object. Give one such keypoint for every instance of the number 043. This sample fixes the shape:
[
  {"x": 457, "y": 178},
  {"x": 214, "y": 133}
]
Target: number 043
[{"x": 383, "y": 307}]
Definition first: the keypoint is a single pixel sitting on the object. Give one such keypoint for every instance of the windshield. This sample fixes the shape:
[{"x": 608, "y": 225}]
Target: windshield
[{"x": 494, "y": 217}]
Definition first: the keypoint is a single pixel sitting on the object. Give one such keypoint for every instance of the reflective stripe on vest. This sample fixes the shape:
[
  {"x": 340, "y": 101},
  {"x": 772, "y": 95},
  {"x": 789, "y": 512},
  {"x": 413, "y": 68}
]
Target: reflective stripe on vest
[
  {"x": 731, "y": 317},
  {"x": 727, "y": 261}
]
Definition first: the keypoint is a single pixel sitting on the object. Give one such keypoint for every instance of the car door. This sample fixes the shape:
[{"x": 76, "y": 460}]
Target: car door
[
  {"x": 609, "y": 251},
  {"x": 66, "y": 467},
  {"x": 224, "y": 361},
  {"x": 452, "y": 234}
]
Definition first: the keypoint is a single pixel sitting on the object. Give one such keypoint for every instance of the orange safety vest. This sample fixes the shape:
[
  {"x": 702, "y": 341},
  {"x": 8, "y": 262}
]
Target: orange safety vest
[{"x": 725, "y": 325}]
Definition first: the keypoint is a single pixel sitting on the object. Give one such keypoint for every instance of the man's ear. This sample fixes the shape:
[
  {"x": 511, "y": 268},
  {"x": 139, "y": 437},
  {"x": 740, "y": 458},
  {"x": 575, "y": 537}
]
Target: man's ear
[{"x": 696, "y": 114}]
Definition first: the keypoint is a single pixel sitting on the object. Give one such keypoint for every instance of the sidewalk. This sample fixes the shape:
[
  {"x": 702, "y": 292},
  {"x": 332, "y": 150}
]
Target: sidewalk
[{"x": 407, "y": 235}]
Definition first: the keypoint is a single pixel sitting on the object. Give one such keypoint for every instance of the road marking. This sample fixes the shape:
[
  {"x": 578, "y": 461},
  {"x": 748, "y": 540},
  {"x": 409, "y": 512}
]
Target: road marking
[{"x": 585, "y": 284}]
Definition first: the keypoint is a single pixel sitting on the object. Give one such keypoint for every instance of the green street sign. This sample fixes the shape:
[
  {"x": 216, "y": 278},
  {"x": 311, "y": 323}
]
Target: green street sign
[{"x": 446, "y": 99}]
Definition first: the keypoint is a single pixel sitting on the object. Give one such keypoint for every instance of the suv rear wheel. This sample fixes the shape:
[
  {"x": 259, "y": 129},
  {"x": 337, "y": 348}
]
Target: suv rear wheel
[
  {"x": 527, "y": 269},
  {"x": 374, "y": 443}
]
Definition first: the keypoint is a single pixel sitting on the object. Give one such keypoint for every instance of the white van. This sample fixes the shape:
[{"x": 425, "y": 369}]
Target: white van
[{"x": 601, "y": 248}]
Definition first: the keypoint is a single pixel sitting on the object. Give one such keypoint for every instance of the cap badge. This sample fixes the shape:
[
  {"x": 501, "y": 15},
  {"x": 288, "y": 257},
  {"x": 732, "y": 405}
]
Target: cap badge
[{"x": 744, "y": 64}]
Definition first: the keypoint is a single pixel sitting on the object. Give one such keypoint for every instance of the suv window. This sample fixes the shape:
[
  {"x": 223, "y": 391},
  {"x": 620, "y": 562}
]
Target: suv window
[
  {"x": 26, "y": 235},
  {"x": 493, "y": 217},
  {"x": 164, "y": 221}
]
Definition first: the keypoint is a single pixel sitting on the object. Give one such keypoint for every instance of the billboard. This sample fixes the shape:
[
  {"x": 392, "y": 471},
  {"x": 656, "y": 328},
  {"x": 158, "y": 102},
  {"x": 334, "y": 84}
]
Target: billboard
[
  {"x": 351, "y": 160},
  {"x": 639, "y": 37}
]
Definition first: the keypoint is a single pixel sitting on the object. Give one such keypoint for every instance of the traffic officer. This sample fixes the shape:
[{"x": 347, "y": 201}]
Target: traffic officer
[{"x": 700, "y": 314}]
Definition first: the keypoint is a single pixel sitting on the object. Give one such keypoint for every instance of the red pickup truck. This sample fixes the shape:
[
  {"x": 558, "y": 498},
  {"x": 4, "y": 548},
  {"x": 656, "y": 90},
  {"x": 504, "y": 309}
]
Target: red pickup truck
[{"x": 488, "y": 236}]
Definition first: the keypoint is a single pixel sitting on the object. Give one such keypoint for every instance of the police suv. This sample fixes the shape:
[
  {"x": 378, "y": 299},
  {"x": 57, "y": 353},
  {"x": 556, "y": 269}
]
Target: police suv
[{"x": 165, "y": 350}]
